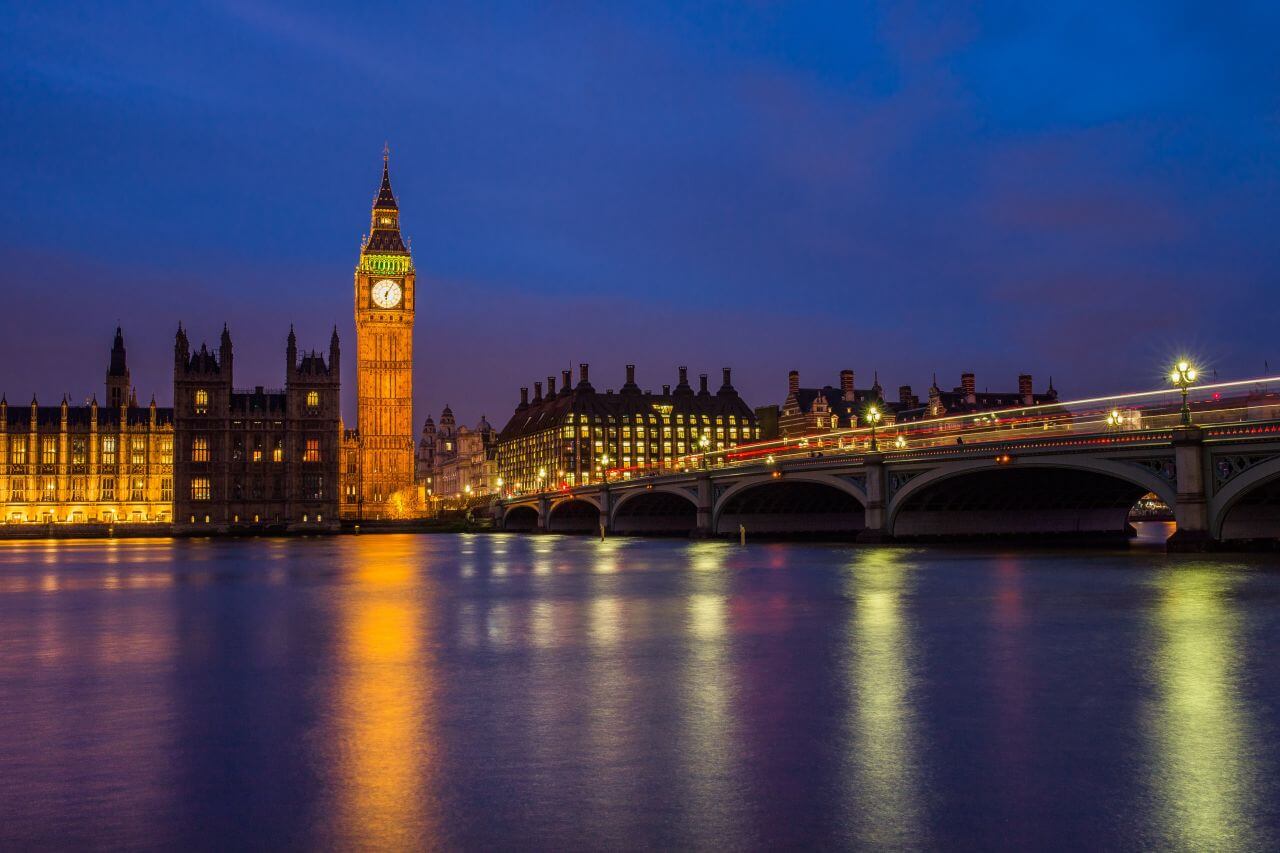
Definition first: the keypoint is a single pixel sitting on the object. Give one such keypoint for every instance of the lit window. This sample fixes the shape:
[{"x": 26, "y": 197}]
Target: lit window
[
  {"x": 79, "y": 451},
  {"x": 138, "y": 451},
  {"x": 78, "y": 489},
  {"x": 312, "y": 453},
  {"x": 201, "y": 490},
  {"x": 202, "y": 401},
  {"x": 166, "y": 451},
  {"x": 199, "y": 449},
  {"x": 139, "y": 490},
  {"x": 277, "y": 452},
  {"x": 108, "y": 488},
  {"x": 49, "y": 489},
  {"x": 49, "y": 450},
  {"x": 166, "y": 489},
  {"x": 108, "y": 450},
  {"x": 313, "y": 399}
]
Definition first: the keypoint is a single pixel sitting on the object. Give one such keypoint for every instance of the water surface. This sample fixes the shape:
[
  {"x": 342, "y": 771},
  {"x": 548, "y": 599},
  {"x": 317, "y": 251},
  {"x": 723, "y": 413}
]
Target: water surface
[{"x": 519, "y": 692}]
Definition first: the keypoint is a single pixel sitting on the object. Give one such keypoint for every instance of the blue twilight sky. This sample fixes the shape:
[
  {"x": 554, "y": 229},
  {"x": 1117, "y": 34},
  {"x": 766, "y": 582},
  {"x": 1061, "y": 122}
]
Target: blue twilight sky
[{"x": 1075, "y": 190}]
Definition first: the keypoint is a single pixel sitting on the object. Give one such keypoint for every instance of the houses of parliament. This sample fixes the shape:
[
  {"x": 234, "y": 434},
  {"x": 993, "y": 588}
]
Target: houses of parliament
[{"x": 225, "y": 459}]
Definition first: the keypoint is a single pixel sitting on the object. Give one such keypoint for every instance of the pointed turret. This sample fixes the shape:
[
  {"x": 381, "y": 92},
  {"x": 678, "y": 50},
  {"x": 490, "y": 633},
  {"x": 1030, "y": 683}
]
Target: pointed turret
[
  {"x": 335, "y": 352},
  {"x": 118, "y": 372},
  {"x": 224, "y": 352},
  {"x": 384, "y": 229}
]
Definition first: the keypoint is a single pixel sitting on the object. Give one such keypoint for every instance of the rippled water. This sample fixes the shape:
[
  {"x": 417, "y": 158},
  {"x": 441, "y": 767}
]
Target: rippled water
[{"x": 562, "y": 693}]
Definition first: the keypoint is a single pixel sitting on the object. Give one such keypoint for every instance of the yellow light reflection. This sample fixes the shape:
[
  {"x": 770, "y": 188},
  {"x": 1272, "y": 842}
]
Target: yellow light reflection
[
  {"x": 1205, "y": 772},
  {"x": 882, "y": 761},
  {"x": 384, "y": 713}
]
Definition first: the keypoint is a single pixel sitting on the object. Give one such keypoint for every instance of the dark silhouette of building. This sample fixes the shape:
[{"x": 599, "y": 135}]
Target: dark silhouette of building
[{"x": 255, "y": 460}]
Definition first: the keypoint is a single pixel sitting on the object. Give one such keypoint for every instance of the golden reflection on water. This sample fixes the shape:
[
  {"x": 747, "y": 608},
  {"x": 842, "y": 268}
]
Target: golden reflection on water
[
  {"x": 883, "y": 741},
  {"x": 1202, "y": 736},
  {"x": 709, "y": 693},
  {"x": 383, "y": 713}
]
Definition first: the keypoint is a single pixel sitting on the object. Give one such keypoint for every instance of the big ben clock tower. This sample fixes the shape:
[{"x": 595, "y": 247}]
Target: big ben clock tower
[{"x": 385, "y": 297}]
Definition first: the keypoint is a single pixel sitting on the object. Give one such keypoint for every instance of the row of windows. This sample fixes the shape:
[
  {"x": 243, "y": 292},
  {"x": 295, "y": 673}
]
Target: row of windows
[
  {"x": 200, "y": 450},
  {"x": 79, "y": 450},
  {"x": 312, "y": 488},
  {"x": 202, "y": 401},
  {"x": 133, "y": 489}
]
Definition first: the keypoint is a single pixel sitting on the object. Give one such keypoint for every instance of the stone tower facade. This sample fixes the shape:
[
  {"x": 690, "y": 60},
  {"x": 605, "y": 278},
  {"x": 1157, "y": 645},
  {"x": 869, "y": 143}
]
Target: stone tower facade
[{"x": 385, "y": 298}]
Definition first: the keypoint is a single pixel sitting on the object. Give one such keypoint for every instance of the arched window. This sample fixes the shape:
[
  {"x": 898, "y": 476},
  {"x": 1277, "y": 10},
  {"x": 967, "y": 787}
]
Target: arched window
[
  {"x": 199, "y": 449},
  {"x": 313, "y": 399},
  {"x": 202, "y": 401}
]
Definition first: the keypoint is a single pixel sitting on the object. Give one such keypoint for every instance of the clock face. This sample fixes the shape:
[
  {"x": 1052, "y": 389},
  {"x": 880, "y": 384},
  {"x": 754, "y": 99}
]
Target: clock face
[{"x": 386, "y": 294}]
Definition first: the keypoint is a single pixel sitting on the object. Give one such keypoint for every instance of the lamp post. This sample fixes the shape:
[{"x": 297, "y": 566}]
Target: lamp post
[
  {"x": 498, "y": 483},
  {"x": 542, "y": 479},
  {"x": 1115, "y": 420},
  {"x": 873, "y": 417},
  {"x": 900, "y": 442},
  {"x": 1184, "y": 376},
  {"x": 604, "y": 467},
  {"x": 704, "y": 443}
]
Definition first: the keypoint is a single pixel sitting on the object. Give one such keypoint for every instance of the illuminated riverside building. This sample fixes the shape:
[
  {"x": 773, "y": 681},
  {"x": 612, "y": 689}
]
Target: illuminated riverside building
[
  {"x": 91, "y": 464},
  {"x": 255, "y": 460},
  {"x": 457, "y": 461},
  {"x": 573, "y": 435}
]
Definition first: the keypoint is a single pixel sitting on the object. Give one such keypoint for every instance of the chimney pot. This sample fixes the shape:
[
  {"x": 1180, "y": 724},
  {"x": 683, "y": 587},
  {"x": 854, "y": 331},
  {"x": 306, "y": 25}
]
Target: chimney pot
[
  {"x": 566, "y": 378},
  {"x": 582, "y": 373},
  {"x": 727, "y": 372},
  {"x": 846, "y": 385},
  {"x": 684, "y": 375},
  {"x": 702, "y": 383},
  {"x": 631, "y": 374},
  {"x": 537, "y": 392},
  {"x": 666, "y": 390},
  {"x": 551, "y": 386},
  {"x": 524, "y": 397}
]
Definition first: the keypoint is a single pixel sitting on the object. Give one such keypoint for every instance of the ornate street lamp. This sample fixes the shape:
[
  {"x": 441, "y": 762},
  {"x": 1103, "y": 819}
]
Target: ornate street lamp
[
  {"x": 542, "y": 478},
  {"x": 900, "y": 442},
  {"x": 1184, "y": 376},
  {"x": 1115, "y": 420},
  {"x": 604, "y": 467},
  {"x": 704, "y": 443},
  {"x": 872, "y": 416}
]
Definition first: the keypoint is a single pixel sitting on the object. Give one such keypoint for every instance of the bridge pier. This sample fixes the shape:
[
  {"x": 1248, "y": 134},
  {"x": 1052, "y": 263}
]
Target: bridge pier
[
  {"x": 704, "y": 529},
  {"x": 544, "y": 515},
  {"x": 874, "y": 513},
  {"x": 1191, "y": 511}
]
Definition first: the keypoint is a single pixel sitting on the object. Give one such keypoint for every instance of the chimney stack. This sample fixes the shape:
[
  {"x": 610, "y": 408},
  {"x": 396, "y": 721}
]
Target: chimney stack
[
  {"x": 566, "y": 377},
  {"x": 537, "y": 392},
  {"x": 631, "y": 374},
  {"x": 905, "y": 397},
  {"x": 666, "y": 390},
  {"x": 846, "y": 385},
  {"x": 551, "y": 387},
  {"x": 793, "y": 382},
  {"x": 524, "y": 398},
  {"x": 1024, "y": 389},
  {"x": 702, "y": 384},
  {"x": 969, "y": 386}
]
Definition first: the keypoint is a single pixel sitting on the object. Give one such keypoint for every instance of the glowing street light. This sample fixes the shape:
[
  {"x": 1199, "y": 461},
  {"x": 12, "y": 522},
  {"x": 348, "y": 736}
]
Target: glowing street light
[
  {"x": 542, "y": 478},
  {"x": 498, "y": 483},
  {"x": 604, "y": 467},
  {"x": 1115, "y": 419},
  {"x": 704, "y": 443},
  {"x": 900, "y": 442},
  {"x": 873, "y": 417},
  {"x": 1183, "y": 376}
]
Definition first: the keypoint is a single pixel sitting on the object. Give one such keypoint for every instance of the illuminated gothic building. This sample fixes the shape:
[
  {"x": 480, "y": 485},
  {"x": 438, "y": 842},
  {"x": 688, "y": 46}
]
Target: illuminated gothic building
[
  {"x": 378, "y": 469},
  {"x": 574, "y": 435},
  {"x": 255, "y": 460},
  {"x": 457, "y": 461},
  {"x": 90, "y": 464}
]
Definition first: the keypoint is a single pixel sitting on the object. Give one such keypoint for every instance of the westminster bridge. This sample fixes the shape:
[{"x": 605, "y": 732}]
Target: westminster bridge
[{"x": 1065, "y": 470}]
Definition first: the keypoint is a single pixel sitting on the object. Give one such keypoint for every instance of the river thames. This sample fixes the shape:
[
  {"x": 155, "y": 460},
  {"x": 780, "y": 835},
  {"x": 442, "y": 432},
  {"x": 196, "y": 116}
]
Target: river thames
[{"x": 503, "y": 691}]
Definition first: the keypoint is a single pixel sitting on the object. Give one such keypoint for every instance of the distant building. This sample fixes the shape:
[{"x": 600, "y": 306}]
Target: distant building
[
  {"x": 967, "y": 399},
  {"x": 573, "y": 435},
  {"x": 808, "y": 411},
  {"x": 457, "y": 462},
  {"x": 257, "y": 459},
  {"x": 88, "y": 464}
]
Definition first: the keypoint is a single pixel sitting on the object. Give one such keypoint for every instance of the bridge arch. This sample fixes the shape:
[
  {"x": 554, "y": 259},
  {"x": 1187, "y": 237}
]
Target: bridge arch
[
  {"x": 521, "y": 518},
  {"x": 576, "y": 514},
  {"x": 1248, "y": 506},
  {"x": 660, "y": 510},
  {"x": 810, "y": 502},
  {"x": 1045, "y": 496}
]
